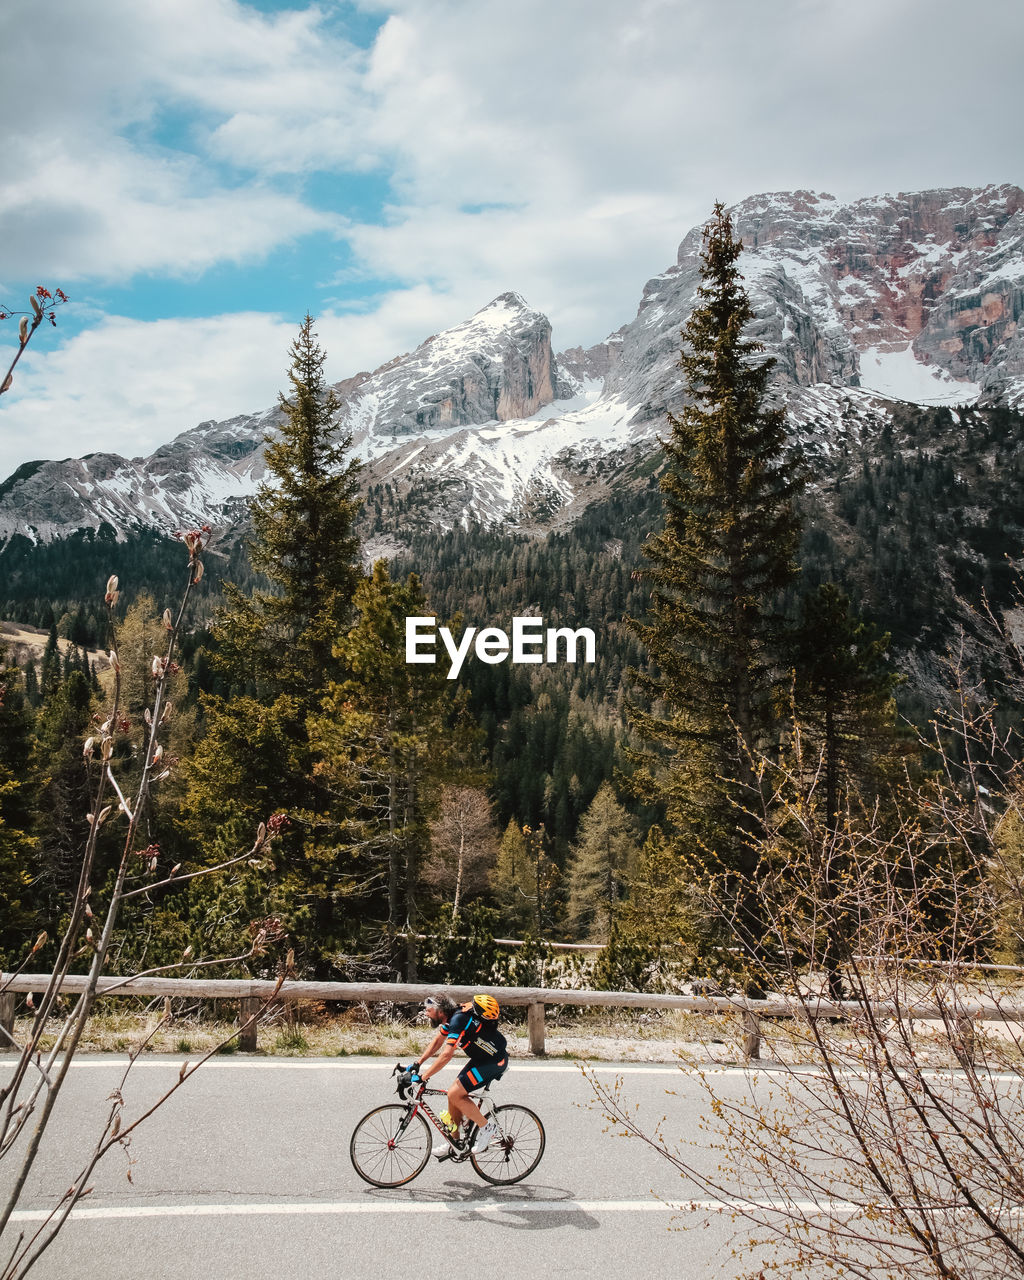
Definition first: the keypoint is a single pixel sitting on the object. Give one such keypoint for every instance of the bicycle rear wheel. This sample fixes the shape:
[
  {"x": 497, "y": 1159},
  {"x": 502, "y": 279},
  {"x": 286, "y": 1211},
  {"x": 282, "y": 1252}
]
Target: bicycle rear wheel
[
  {"x": 517, "y": 1149},
  {"x": 390, "y": 1146}
]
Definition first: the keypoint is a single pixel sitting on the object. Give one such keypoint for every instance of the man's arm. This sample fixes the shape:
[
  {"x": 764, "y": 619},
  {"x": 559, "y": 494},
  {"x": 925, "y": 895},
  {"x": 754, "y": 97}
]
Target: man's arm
[
  {"x": 443, "y": 1058},
  {"x": 432, "y": 1048}
]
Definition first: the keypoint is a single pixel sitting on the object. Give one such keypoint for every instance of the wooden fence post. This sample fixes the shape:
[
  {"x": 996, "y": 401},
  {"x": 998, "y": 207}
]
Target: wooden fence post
[
  {"x": 535, "y": 1028},
  {"x": 751, "y": 1036},
  {"x": 248, "y": 1007},
  {"x": 963, "y": 1042},
  {"x": 6, "y": 1017}
]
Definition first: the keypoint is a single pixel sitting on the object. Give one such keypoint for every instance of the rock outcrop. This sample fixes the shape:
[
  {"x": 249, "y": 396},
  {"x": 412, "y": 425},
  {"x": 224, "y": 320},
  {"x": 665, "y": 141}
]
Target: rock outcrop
[
  {"x": 494, "y": 367},
  {"x": 937, "y": 275}
]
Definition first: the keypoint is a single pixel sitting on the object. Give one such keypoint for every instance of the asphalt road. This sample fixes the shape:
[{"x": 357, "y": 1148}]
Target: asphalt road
[{"x": 245, "y": 1173}]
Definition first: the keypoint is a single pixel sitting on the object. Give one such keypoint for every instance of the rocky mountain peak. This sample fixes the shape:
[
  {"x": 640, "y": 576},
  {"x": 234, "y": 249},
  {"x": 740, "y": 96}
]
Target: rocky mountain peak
[
  {"x": 915, "y": 296},
  {"x": 493, "y": 367}
]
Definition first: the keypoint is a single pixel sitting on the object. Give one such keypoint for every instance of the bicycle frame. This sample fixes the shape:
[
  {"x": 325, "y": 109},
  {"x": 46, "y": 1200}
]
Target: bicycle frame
[
  {"x": 421, "y": 1105},
  {"x": 415, "y": 1105}
]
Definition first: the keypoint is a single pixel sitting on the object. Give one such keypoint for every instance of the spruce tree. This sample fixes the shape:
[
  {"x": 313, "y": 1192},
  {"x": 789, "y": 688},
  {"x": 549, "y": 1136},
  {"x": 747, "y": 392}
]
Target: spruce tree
[
  {"x": 49, "y": 678},
  {"x": 717, "y": 567},
  {"x": 303, "y": 541},
  {"x": 512, "y": 880},
  {"x": 843, "y": 690},
  {"x": 276, "y": 649},
  {"x": 844, "y": 712},
  {"x": 62, "y": 796},
  {"x": 16, "y": 844}
]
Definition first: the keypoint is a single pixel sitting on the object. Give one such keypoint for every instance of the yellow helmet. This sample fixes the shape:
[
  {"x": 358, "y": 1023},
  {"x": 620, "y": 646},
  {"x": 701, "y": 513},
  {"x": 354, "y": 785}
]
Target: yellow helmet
[{"x": 486, "y": 1007}]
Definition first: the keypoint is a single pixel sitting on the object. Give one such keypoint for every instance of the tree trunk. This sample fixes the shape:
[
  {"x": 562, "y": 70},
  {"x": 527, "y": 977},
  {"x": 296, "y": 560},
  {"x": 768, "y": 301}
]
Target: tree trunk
[{"x": 412, "y": 871}]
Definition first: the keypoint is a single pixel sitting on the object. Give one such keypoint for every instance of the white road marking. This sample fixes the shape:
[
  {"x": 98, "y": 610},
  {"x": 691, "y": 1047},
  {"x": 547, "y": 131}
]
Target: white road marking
[
  {"x": 298, "y": 1064},
  {"x": 765, "y": 1070},
  {"x": 806, "y": 1208},
  {"x": 101, "y": 1213}
]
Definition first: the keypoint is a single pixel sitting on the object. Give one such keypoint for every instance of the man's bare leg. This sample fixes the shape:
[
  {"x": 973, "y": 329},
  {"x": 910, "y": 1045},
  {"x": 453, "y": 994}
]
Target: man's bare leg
[{"x": 461, "y": 1105}]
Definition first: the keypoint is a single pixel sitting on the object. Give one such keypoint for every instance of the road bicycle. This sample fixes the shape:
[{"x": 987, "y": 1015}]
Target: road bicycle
[{"x": 391, "y": 1144}]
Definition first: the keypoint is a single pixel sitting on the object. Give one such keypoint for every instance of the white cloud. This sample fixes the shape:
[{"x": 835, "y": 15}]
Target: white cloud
[
  {"x": 609, "y": 130},
  {"x": 142, "y": 138},
  {"x": 116, "y": 215},
  {"x": 127, "y": 386},
  {"x": 559, "y": 150}
]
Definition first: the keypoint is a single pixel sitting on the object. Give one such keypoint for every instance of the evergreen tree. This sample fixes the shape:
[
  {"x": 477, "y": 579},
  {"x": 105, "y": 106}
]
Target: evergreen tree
[
  {"x": 725, "y": 553},
  {"x": 1006, "y": 878},
  {"x": 278, "y": 646},
  {"x": 544, "y": 879},
  {"x": 843, "y": 691},
  {"x": 602, "y": 860},
  {"x": 387, "y": 737},
  {"x": 16, "y": 844},
  {"x": 303, "y": 541},
  {"x": 49, "y": 675},
  {"x": 512, "y": 881},
  {"x": 62, "y": 794},
  {"x": 32, "y": 693}
]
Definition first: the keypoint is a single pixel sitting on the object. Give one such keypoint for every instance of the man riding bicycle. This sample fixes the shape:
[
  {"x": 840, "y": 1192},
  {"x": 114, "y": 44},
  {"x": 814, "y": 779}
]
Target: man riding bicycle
[{"x": 474, "y": 1029}]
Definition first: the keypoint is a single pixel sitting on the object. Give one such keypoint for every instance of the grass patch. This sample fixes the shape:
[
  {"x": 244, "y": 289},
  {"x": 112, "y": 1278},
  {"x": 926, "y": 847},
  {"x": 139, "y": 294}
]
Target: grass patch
[{"x": 291, "y": 1041}]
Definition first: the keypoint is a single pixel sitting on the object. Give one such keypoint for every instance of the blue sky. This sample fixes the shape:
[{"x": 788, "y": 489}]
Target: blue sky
[{"x": 196, "y": 174}]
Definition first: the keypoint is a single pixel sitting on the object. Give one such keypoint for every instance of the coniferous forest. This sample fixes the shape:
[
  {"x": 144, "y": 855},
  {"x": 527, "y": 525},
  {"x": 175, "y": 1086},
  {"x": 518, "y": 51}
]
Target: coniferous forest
[{"x": 746, "y": 595}]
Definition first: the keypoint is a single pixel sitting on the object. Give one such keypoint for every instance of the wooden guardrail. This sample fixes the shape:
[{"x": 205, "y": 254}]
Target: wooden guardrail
[{"x": 254, "y": 992}]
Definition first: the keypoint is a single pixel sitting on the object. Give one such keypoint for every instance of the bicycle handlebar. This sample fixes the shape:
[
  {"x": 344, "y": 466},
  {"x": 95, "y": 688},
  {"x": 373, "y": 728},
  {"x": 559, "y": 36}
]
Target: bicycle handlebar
[{"x": 405, "y": 1083}]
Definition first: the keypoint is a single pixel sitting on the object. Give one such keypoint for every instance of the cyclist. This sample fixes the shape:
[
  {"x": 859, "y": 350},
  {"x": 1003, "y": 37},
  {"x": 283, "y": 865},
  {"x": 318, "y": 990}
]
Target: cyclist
[{"x": 474, "y": 1029}]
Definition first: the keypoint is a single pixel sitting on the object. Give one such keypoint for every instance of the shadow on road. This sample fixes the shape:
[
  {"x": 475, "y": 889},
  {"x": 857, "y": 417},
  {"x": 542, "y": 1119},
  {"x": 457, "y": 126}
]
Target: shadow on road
[{"x": 463, "y": 1201}]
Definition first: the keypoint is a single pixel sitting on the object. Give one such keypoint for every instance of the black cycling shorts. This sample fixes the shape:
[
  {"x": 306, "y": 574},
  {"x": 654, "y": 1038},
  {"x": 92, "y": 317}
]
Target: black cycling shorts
[{"x": 475, "y": 1074}]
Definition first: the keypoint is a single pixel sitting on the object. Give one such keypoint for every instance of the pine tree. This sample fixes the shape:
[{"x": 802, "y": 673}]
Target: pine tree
[
  {"x": 32, "y": 693},
  {"x": 1006, "y": 878},
  {"x": 62, "y": 792},
  {"x": 49, "y": 676},
  {"x": 16, "y": 844},
  {"x": 512, "y": 880},
  {"x": 725, "y": 553},
  {"x": 544, "y": 878},
  {"x": 602, "y": 859}
]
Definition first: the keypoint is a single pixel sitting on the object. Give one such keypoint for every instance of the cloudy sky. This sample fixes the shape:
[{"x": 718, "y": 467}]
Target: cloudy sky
[{"x": 197, "y": 174}]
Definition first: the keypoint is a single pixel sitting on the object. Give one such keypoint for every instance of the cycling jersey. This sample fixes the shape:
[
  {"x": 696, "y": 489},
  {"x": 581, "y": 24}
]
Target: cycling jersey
[{"x": 482, "y": 1041}]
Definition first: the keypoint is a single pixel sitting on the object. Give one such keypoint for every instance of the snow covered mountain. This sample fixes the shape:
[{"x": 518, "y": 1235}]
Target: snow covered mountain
[{"x": 912, "y": 297}]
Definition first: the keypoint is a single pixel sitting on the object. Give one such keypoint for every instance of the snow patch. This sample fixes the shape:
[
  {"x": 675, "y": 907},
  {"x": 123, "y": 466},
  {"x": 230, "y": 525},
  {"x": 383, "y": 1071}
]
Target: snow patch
[{"x": 899, "y": 375}]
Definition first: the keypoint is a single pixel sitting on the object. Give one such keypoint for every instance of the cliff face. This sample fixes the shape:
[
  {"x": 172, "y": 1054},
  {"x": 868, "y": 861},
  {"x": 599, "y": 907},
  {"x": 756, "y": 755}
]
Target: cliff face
[
  {"x": 935, "y": 278},
  {"x": 495, "y": 366},
  {"x": 942, "y": 270}
]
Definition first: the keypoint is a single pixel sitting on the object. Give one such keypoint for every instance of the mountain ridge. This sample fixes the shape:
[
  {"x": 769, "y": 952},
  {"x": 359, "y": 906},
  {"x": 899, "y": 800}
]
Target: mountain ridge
[{"x": 862, "y": 304}]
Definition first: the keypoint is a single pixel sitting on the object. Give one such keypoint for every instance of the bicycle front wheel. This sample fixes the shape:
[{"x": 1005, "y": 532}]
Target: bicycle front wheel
[
  {"x": 390, "y": 1146},
  {"x": 515, "y": 1151}
]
